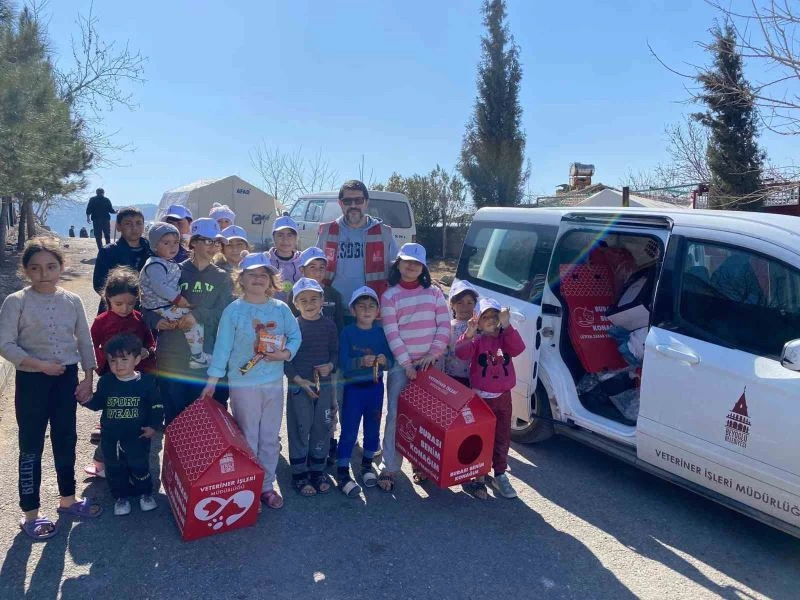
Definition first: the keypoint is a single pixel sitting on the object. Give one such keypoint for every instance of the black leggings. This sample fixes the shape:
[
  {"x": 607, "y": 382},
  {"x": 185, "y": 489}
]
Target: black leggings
[{"x": 41, "y": 399}]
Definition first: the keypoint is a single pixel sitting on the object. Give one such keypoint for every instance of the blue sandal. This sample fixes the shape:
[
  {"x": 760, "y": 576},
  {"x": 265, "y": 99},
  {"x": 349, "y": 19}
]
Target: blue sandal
[
  {"x": 38, "y": 529},
  {"x": 82, "y": 509}
]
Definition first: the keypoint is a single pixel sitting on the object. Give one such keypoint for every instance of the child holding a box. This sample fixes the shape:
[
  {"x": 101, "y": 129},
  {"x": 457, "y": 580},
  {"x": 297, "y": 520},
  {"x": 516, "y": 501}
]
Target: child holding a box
[
  {"x": 489, "y": 343},
  {"x": 416, "y": 322}
]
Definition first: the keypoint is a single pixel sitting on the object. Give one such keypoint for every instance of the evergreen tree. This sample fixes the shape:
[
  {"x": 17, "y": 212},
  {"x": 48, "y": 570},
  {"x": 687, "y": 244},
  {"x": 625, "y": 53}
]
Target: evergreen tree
[
  {"x": 493, "y": 145},
  {"x": 734, "y": 158},
  {"x": 42, "y": 150}
]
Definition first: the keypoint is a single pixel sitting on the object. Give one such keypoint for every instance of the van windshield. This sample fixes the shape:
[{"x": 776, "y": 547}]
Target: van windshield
[
  {"x": 395, "y": 214},
  {"x": 508, "y": 258}
]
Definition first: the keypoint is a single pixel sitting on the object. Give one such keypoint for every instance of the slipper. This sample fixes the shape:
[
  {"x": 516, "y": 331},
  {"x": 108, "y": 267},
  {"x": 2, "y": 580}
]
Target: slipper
[
  {"x": 321, "y": 483},
  {"x": 93, "y": 471},
  {"x": 350, "y": 488},
  {"x": 82, "y": 509},
  {"x": 369, "y": 478},
  {"x": 419, "y": 477},
  {"x": 33, "y": 528},
  {"x": 388, "y": 480},
  {"x": 304, "y": 488},
  {"x": 272, "y": 499}
]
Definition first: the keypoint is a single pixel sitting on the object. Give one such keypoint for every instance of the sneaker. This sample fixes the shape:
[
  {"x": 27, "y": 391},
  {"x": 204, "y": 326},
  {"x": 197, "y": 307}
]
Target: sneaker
[
  {"x": 199, "y": 361},
  {"x": 147, "y": 503},
  {"x": 503, "y": 486},
  {"x": 122, "y": 507}
]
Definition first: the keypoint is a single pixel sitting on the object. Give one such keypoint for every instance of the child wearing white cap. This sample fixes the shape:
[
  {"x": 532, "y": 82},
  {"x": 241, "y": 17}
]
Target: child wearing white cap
[
  {"x": 416, "y": 321},
  {"x": 234, "y": 245},
  {"x": 311, "y": 390},
  {"x": 160, "y": 290},
  {"x": 463, "y": 298},
  {"x": 256, "y": 335},
  {"x": 364, "y": 354},
  {"x": 312, "y": 265},
  {"x": 222, "y": 214},
  {"x": 489, "y": 344},
  {"x": 284, "y": 255}
]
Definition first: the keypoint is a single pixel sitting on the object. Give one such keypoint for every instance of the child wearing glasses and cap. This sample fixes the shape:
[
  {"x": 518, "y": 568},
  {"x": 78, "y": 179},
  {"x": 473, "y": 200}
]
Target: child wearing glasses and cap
[
  {"x": 159, "y": 283},
  {"x": 284, "y": 256}
]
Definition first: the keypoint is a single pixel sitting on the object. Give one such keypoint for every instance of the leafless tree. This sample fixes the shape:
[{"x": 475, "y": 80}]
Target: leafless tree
[
  {"x": 99, "y": 79},
  {"x": 286, "y": 175},
  {"x": 768, "y": 33}
]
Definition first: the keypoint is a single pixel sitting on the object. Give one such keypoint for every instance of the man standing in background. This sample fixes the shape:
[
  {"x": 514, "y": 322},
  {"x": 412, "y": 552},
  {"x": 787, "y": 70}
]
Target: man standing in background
[{"x": 99, "y": 211}]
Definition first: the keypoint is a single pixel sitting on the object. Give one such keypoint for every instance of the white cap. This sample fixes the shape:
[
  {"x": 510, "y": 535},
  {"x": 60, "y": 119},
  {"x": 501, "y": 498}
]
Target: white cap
[
  {"x": 234, "y": 232},
  {"x": 364, "y": 291},
  {"x": 205, "y": 227},
  {"x": 485, "y": 304},
  {"x": 412, "y": 251},
  {"x": 284, "y": 223},
  {"x": 254, "y": 260},
  {"x": 176, "y": 211},
  {"x": 313, "y": 253},
  {"x": 304, "y": 284},
  {"x": 221, "y": 211},
  {"x": 461, "y": 286}
]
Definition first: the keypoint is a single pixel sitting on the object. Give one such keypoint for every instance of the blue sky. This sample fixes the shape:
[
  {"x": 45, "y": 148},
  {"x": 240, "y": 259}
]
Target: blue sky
[{"x": 394, "y": 81}]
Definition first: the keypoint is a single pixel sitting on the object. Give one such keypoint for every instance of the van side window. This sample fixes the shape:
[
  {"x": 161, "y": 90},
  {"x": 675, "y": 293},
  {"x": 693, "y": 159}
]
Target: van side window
[
  {"x": 314, "y": 211},
  {"x": 507, "y": 258},
  {"x": 391, "y": 212},
  {"x": 298, "y": 211},
  {"x": 737, "y": 298}
]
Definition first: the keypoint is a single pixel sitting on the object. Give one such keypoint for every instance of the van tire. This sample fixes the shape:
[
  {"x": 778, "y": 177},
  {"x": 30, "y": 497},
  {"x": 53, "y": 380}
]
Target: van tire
[{"x": 538, "y": 430}]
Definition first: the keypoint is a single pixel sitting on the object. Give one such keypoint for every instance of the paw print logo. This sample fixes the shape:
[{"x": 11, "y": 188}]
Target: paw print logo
[
  {"x": 221, "y": 512},
  {"x": 583, "y": 316},
  {"x": 405, "y": 426}
]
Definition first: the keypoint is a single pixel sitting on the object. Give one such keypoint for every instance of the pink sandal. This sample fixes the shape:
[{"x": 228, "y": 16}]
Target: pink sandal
[{"x": 272, "y": 499}]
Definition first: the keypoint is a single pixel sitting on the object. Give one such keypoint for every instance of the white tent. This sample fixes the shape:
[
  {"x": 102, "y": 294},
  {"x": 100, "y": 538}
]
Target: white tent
[
  {"x": 612, "y": 197},
  {"x": 255, "y": 209}
]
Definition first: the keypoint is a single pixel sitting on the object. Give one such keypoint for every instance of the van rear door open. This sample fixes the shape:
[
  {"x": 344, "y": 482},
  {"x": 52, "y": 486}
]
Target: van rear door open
[{"x": 717, "y": 408}]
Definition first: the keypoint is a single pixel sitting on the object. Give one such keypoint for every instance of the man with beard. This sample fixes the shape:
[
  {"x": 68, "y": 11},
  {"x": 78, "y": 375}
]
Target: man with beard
[{"x": 359, "y": 248}]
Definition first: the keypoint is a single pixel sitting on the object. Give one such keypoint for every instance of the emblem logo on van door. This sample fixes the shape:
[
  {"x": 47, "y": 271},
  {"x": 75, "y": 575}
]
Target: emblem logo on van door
[{"x": 737, "y": 427}]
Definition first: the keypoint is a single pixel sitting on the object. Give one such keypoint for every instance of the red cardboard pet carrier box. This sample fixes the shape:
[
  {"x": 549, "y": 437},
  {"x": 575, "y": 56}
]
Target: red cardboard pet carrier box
[
  {"x": 445, "y": 429},
  {"x": 211, "y": 477}
]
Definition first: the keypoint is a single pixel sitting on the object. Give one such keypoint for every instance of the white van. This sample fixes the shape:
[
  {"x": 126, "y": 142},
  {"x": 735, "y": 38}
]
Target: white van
[
  {"x": 670, "y": 340},
  {"x": 392, "y": 208}
]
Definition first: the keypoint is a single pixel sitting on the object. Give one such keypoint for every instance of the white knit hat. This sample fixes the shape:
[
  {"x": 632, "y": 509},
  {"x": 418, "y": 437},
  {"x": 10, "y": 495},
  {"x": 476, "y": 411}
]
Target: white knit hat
[{"x": 221, "y": 211}]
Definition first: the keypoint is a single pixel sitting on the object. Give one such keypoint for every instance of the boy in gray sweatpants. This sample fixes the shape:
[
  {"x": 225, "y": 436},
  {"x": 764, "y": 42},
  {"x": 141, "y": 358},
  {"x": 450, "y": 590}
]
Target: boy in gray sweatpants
[{"x": 310, "y": 395}]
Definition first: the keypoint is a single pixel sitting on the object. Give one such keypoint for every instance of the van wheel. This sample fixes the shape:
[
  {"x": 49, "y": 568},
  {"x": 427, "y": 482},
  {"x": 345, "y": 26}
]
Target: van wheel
[{"x": 535, "y": 430}]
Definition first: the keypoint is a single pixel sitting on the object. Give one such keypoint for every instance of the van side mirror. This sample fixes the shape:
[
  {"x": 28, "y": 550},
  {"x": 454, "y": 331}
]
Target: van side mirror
[{"x": 790, "y": 357}]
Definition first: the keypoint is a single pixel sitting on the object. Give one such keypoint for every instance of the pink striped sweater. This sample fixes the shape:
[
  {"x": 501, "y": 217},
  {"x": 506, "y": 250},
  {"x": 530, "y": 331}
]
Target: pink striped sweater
[{"x": 416, "y": 322}]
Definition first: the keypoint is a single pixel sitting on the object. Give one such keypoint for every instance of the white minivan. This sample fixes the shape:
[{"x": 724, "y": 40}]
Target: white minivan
[
  {"x": 668, "y": 339},
  {"x": 392, "y": 208}
]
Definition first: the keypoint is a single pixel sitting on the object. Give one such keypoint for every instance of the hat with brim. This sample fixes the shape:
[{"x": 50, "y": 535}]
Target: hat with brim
[
  {"x": 234, "y": 232},
  {"x": 412, "y": 251},
  {"x": 176, "y": 211},
  {"x": 362, "y": 292},
  {"x": 205, "y": 227},
  {"x": 311, "y": 254},
  {"x": 255, "y": 260},
  {"x": 285, "y": 222},
  {"x": 461, "y": 287},
  {"x": 306, "y": 284},
  {"x": 485, "y": 304}
]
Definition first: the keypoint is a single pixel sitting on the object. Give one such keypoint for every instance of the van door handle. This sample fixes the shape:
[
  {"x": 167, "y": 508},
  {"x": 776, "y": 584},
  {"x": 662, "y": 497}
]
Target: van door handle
[{"x": 681, "y": 355}]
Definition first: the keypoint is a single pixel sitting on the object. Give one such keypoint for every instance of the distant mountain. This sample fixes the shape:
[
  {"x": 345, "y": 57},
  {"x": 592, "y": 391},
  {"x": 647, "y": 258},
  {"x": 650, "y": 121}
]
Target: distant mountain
[{"x": 61, "y": 217}]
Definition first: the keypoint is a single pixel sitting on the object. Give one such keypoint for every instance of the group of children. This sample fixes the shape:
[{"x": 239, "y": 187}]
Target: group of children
[{"x": 331, "y": 368}]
